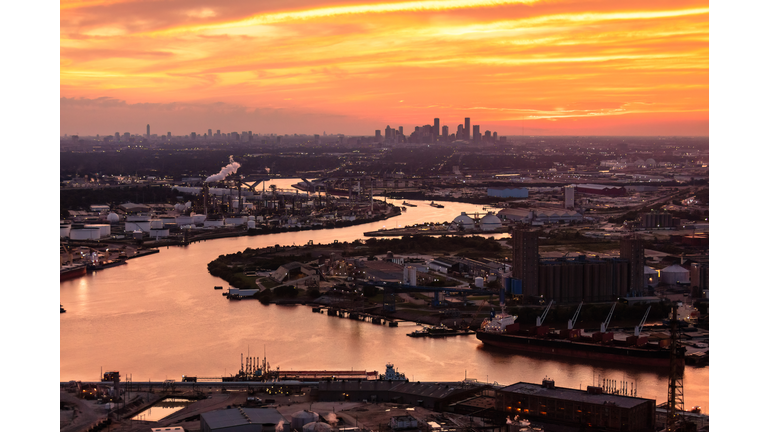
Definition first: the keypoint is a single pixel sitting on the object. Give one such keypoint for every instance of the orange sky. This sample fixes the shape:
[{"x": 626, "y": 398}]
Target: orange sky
[{"x": 301, "y": 66}]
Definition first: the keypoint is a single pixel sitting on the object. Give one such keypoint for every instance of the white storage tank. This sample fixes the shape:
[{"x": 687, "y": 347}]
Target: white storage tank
[
  {"x": 463, "y": 220},
  {"x": 105, "y": 230},
  {"x": 479, "y": 282},
  {"x": 64, "y": 230},
  {"x": 675, "y": 274},
  {"x": 301, "y": 418},
  {"x": 317, "y": 427},
  {"x": 490, "y": 222},
  {"x": 113, "y": 218},
  {"x": 84, "y": 233},
  {"x": 251, "y": 224},
  {"x": 198, "y": 218}
]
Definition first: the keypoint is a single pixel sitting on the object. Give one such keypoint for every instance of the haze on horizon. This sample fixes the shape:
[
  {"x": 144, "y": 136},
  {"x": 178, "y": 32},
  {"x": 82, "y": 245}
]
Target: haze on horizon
[{"x": 555, "y": 67}]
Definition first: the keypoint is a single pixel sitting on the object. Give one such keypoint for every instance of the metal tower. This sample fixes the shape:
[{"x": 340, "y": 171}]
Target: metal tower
[{"x": 675, "y": 400}]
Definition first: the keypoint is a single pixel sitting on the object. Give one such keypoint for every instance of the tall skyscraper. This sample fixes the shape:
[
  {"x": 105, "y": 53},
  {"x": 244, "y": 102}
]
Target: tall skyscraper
[
  {"x": 169, "y": 135},
  {"x": 209, "y": 133},
  {"x": 436, "y": 128},
  {"x": 476, "y": 133},
  {"x": 632, "y": 250},
  {"x": 117, "y": 136},
  {"x": 525, "y": 260},
  {"x": 445, "y": 133},
  {"x": 466, "y": 128},
  {"x": 378, "y": 135},
  {"x": 460, "y": 132},
  {"x": 147, "y": 131}
]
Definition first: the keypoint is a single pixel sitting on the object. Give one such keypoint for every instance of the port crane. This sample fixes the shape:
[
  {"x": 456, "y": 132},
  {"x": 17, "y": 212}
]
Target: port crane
[
  {"x": 572, "y": 321},
  {"x": 540, "y": 319},
  {"x": 639, "y": 328},
  {"x": 604, "y": 325}
]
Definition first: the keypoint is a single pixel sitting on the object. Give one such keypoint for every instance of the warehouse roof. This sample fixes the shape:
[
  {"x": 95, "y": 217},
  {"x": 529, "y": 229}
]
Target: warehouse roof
[
  {"x": 240, "y": 416},
  {"x": 574, "y": 395}
]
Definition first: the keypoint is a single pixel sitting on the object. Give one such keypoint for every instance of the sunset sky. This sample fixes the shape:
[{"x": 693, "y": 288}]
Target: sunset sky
[{"x": 351, "y": 66}]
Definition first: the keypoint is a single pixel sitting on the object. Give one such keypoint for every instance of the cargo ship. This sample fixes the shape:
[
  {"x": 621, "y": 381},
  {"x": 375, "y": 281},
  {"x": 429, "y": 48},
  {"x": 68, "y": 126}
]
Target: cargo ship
[
  {"x": 436, "y": 205},
  {"x": 439, "y": 331},
  {"x": 71, "y": 271},
  {"x": 502, "y": 331}
]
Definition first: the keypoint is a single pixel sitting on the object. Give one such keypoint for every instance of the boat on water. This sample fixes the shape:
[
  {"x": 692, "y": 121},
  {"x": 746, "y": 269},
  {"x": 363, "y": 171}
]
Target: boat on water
[
  {"x": 391, "y": 374},
  {"x": 439, "y": 331},
  {"x": 407, "y": 204},
  {"x": 502, "y": 331},
  {"x": 71, "y": 271},
  {"x": 436, "y": 205},
  {"x": 100, "y": 265}
]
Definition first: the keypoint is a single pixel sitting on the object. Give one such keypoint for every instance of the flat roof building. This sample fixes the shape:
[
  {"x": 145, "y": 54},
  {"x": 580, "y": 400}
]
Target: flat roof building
[{"x": 589, "y": 408}]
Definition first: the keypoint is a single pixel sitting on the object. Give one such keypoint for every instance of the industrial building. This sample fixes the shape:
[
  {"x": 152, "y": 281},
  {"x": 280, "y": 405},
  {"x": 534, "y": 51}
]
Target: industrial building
[
  {"x": 598, "y": 189},
  {"x": 507, "y": 192},
  {"x": 631, "y": 249},
  {"x": 242, "y": 420},
  {"x": 589, "y": 408},
  {"x": 573, "y": 279},
  {"x": 434, "y": 396}
]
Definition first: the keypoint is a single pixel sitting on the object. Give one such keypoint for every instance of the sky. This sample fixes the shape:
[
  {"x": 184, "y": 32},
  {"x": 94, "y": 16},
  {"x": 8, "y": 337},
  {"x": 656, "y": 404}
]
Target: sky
[{"x": 558, "y": 67}]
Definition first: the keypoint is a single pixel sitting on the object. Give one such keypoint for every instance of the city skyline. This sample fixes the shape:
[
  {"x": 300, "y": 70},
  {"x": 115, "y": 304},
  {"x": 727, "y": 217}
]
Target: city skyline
[{"x": 515, "y": 67}]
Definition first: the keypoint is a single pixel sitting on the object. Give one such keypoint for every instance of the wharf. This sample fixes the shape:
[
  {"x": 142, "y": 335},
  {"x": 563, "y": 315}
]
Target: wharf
[{"x": 397, "y": 232}]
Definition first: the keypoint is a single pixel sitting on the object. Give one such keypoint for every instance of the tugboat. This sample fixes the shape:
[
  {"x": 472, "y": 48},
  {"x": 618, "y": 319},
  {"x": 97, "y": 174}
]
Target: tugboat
[
  {"x": 423, "y": 332},
  {"x": 392, "y": 375},
  {"x": 436, "y": 205},
  {"x": 407, "y": 204}
]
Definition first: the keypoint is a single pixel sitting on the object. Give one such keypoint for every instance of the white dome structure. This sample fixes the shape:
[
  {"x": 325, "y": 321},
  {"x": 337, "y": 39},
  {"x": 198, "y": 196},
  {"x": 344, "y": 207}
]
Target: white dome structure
[
  {"x": 490, "y": 222},
  {"x": 463, "y": 220},
  {"x": 675, "y": 274},
  {"x": 316, "y": 427},
  {"x": 113, "y": 218},
  {"x": 301, "y": 418}
]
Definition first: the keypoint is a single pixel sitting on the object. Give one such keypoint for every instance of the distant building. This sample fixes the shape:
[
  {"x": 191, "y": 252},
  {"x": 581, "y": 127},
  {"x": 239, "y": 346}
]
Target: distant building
[
  {"x": 569, "y": 193},
  {"x": 525, "y": 260},
  {"x": 507, "y": 192},
  {"x": 466, "y": 128},
  {"x": 598, "y": 189},
  {"x": 476, "y": 133},
  {"x": 632, "y": 250}
]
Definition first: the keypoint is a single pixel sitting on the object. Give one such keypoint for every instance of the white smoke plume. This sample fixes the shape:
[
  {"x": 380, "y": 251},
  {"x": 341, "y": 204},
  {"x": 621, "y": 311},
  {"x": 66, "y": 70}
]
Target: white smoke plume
[
  {"x": 509, "y": 420},
  {"x": 279, "y": 427},
  {"x": 225, "y": 171},
  {"x": 331, "y": 417}
]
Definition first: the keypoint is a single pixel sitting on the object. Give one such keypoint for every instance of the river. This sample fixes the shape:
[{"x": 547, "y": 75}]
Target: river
[{"x": 158, "y": 317}]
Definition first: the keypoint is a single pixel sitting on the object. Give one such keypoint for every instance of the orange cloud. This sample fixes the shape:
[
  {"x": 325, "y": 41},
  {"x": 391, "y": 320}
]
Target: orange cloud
[{"x": 501, "y": 62}]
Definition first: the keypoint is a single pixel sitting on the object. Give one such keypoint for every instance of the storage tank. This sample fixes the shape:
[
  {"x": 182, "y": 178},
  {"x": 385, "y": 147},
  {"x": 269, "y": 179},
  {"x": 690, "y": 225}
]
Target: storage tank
[
  {"x": 317, "y": 427},
  {"x": 675, "y": 274},
  {"x": 479, "y": 282},
  {"x": 490, "y": 222},
  {"x": 113, "y": 218},
  {"x": 251, "y": 224},
  {"x": 64, "y": 230},
  {"x": 301, "y": 418},
  {"x": 198, "y": 218},
  {"x": 463, "y": 220}
]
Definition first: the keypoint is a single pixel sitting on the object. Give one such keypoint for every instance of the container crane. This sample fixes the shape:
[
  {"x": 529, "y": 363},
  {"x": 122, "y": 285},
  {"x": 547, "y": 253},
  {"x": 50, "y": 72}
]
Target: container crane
[
  {"x": 639, "y": 328},
  {"x": 604, "y": 325},
  {"x": 572, "y": 321},
  {"x": 540, "y": 320}
]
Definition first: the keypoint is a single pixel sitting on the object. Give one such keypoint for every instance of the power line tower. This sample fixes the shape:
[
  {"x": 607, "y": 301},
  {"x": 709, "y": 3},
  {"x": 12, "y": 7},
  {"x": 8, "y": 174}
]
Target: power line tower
[{"x": 675, "y": 399}]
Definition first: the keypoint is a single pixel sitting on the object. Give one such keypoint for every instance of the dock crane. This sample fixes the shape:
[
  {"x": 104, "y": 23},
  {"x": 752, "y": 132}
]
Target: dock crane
[
  {"x": 604, "y": 325},
  {"x": 540, "y": 320},
  {"x": 572, "y": 321},
  {"x": 639, "y": 328}
]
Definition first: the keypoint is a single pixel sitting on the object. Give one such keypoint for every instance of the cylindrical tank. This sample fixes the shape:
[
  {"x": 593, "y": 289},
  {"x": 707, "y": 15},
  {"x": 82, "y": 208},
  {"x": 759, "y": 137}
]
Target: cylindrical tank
[
  {"x": 479, "y": 282},
  {"x": 316, "y": 427},
  {"x": 113, "y": 218},
  {"x": 301, "y": 418},
  {"x": 251, "y": 224}
]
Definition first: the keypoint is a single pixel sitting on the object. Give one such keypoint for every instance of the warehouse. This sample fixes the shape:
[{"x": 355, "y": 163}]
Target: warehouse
[
  {"x": 242, "y": 420},
  {"x": 597, "y": 189},
  {"x": 589, "y": 408}
]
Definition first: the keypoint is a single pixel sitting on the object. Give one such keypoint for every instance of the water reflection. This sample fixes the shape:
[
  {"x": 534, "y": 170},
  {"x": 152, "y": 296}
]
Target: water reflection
[{"x": 159, "y": 317}]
